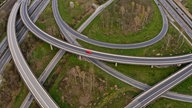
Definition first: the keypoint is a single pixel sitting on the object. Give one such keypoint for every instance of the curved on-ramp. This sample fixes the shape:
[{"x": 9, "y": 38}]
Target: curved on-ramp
[
  {"x": 36, "y": 89},
  {"x": 115, "y": 73},
  {"x": 84, "y": 38},
  {"x": 154, "y": 92},
  {"x": 96, "y": 54},
  {"x": 6, "y": 57}
]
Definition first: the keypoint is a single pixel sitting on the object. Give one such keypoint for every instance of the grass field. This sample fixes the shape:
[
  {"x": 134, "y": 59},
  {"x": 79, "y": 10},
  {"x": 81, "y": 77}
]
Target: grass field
[
  {"x": 75, "y": 16},
  {"x": 171, "y": 44},
  {"x": 108, "y": 25},
  {"x": 188, "y": 4}
]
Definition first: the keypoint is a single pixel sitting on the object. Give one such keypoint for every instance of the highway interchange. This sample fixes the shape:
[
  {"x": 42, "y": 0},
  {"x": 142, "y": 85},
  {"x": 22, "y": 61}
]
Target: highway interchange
[{"x": 145, "y": 98}]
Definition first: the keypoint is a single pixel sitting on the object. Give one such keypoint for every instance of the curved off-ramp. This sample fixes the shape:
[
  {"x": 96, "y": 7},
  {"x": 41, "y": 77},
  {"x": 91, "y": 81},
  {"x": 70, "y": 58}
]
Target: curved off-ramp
[{"x": 35, "y": 88}]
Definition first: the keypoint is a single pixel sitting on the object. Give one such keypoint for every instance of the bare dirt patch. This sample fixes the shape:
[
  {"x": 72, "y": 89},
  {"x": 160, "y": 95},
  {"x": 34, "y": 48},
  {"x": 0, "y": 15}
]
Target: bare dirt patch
[
  {"x": 4, "y": 12},
  {"x": 99, "y": 2},
  {"x": 127, "y": 15},
  {"x": 79, "y": 87},
  {"x": 9, "y": 87}
]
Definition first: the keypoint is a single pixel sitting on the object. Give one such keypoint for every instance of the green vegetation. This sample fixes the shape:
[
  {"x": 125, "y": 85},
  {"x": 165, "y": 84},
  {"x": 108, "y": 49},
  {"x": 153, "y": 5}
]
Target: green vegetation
[
  {"x": 4, "y": 13},
  {"x": 74, "y": 80},
  {"x": 166, "y": 103},
  {"x": 185, "y": 87},
  {"x": 3, "y": 22},
  {"x": 37, "y": 52},
  {"x": 106, "y": 89},
  {"x": 172, "y": 44},
  {"x": 1, "y": 1},
  {"x": 100, "y": 2},
  {"x": 21, "y": 96},
  {"x": 10, "y": 85},
  {"x": 146, "y": 74},
  {"x": 125, "y": 22},
  {"x": 188, "y": 4},
  {"x": 38, "y": 58},
  {"x": 75, "y": 16},
  {"x": 2, "y": 36}
]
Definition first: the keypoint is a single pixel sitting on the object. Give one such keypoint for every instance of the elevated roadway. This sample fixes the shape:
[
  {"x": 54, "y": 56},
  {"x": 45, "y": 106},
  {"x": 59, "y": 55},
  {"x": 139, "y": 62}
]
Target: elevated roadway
[
  {"x": 177, "y": 17},
  {"x": 117, "y": 46},
  {"x": 99, "y": 55},
  {"x": 160, "y": 88},
  {"x": 6, "y": 57},
  {"x": 111, "y": 71},
  {"x": 29, "y": 98},
  {"x": 123, "y": 56},
  {"x": 19, "y": 28},
  {"x": 178, "y": 2},
  {"x": 35, "y": 88},
  {"x": 180, "y": 12},
  {"x": 104, "y": 67}
]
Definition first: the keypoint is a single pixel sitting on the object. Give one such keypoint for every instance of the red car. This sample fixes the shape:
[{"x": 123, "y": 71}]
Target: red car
[{"x": 88, "y": 52}]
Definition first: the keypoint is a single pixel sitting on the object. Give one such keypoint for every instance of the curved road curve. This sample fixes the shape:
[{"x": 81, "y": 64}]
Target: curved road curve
[
  {"x": 13, "y": 35},
  {"x": 36, "y": 89},
  {"x": 96, "y": 54},
  {"x": 84, "y": 38},
  {"x": 118, "y": 75}
]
